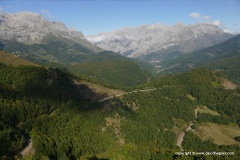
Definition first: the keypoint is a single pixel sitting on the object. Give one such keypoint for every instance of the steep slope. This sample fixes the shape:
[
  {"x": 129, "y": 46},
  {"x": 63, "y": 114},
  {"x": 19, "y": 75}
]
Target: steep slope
[
  {"x": 52, "y": 49},
  {"x": 105, "y": 67},
  {"x": 45, "y": 106},
  {"x": 110, "y": 69},
  {"x": 223, "y": 57},
  {"x": 37, "y": 38},
  {"x": 158, "y": 42},
  {"x": 28, "y": 27},
  {"x": 14, "y": 60},
  {"x": 31, "y": 37}
]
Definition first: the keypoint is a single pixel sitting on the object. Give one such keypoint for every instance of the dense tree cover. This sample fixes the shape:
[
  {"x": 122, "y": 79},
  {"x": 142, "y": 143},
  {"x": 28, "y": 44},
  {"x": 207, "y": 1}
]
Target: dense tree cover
[
  {"x": 224, "y": 57},
  {"x": 108, "y": 69},
  {"x": 122, "y": 73},
  {"x": 11, "y": 140},
  {"x": 193, "y": 143},
  {"x": 52, "y": 48},
  {"x": 229, "y": 67},
  {"x": 105, "y": 67},
  {"x": 170, "y": 100},
  {"x": 10, "y": 59},
  {"x": 26, "y": 93},
  {"x": 44, "y": 105}
]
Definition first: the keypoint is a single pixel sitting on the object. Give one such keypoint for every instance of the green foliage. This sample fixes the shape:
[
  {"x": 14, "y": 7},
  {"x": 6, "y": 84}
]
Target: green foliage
[
  {"x": 13, "y": 60},
  {"x": 237, "y": 138},
  {"x": 107, "y": 68},
  {"x": 193, "y": 143},
  {"x": 11, "y": 140},
  {"x": 45, "y": 105},
  {"x": 223, "y": 57},
  {"x": 52, "y": 49},
  {"x": 26, "y": 93},
  {"x": 229, "y": 67},
  {"x": 122, "y": 73}
]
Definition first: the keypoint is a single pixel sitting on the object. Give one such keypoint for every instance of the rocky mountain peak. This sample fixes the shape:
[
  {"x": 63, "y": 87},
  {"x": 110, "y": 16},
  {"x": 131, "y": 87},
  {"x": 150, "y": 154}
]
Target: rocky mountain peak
[
  {"x": 159, "y": 38},
  {"x": 31, "y": 27}
]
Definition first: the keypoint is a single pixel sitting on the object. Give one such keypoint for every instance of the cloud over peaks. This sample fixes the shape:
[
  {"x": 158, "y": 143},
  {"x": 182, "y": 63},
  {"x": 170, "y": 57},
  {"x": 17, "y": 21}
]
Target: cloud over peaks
[
  {"x": 227, "y": 31},
  {"x": 195, "y": 15},
  {"x": 204, "y": 19},
  {"x": 207, "y": 17},
  {"x": 216, "y": 22}
]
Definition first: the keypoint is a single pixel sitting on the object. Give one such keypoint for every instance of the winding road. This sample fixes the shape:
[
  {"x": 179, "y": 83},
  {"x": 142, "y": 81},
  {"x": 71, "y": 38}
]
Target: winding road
[
  {"x": 179, "y": 140},
  {"x": 27, "y": 148},
  {"x": 119, "y": 95},
  {"x": 182, "y": 135}
]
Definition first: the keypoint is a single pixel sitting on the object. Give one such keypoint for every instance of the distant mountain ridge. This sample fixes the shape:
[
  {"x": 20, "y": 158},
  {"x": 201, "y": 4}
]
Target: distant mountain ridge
[
  {"x": 224, "y": 57},
  {"x": 29, "y": 28},
  {"x": 226, "y": 49},
  {"x": 156, "y": 42},
  {"x": 33, "y": 38}
]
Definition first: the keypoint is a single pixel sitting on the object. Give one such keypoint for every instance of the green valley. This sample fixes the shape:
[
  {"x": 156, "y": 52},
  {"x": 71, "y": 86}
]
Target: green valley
[
  {"x": 64, "y": 120},
  {"x": 223, "y": 57},
  {"x": 105, "y": 67},
  {"x": 136, "y": 93}
]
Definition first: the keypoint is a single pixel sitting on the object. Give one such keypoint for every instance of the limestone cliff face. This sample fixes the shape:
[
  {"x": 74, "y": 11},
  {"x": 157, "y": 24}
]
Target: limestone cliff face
[
  {"x": 27, "y": 26},
  {"x": 30, "y": 27},
  {"x": 158, "y": 38}
]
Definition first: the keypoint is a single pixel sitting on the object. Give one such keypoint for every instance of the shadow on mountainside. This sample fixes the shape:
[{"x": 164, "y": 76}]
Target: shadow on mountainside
[{"x": 52, "y": 86}]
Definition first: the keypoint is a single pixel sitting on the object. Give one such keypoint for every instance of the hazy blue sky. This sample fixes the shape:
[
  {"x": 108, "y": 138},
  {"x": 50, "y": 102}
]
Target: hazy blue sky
[{"x": 93, "y": 16}]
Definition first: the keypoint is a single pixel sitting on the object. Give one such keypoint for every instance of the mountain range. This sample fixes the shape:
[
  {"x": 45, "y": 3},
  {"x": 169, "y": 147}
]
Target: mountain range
[
  {"x": 158, "y": 42},
  {"x": 30, "y": 28},
  {"x": 31, "y": 37},
  {"x": 222, "y": 57},
  {"x": 51, "y": 109}
]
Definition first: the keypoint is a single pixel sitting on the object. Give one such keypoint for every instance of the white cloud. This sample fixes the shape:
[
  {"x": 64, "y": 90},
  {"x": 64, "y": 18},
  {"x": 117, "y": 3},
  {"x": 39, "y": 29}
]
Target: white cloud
[
  {"x": 207, "y": 17},
  {"x": 96, "y": 39},
  {"x": 1, "y": 10},
  {"x": 195, "y": 15},
  {"x": 227, "y": 31},
  {"x": 216, "y": 22}
]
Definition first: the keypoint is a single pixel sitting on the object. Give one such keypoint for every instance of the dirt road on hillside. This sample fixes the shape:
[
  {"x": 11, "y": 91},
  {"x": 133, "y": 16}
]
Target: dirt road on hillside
[
  {"x": 182, "y": 135},
  {"x": 27, "y": 148},
  {"x": 119, "y": 95}
]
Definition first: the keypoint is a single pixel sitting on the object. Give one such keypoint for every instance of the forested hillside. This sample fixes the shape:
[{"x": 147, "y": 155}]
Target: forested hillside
[
  {"x": 223, "y": 57},
  {"x": 109, "y": 69},
  {"x": 27, "y": 93},
  {"x": 14, "y": 60},
  {"x": 171, "y": 107},
  {"x": 44, "y": 105}
]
